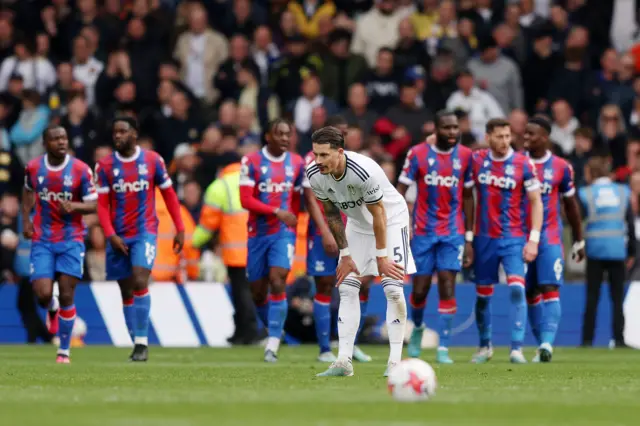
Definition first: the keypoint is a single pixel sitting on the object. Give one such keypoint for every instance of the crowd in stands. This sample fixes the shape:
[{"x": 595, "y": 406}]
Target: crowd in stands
[{"x": 204, "y": 77}]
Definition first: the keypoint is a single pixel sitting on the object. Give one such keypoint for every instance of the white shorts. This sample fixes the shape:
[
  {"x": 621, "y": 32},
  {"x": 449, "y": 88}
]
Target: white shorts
[{"x": 362, "y": 248}]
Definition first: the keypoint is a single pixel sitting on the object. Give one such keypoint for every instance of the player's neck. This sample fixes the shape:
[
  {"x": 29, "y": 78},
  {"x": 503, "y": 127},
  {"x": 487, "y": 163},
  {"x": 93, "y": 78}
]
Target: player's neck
[
  {"x": 128, "y": 154},
  {"x": 54, "y": 163},
  {"x": 536, "y": 156},
  {"x": 277, "y": 157},
  {"x": 342, "y": 168},
  {"x": 497, "y": 157}
]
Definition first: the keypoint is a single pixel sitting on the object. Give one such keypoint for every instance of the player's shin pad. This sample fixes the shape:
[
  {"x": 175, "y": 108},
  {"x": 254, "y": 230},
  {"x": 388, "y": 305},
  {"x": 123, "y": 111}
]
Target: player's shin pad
[
  {"x": 396, "y": 316},
  {"x": 348, "y": 316}
]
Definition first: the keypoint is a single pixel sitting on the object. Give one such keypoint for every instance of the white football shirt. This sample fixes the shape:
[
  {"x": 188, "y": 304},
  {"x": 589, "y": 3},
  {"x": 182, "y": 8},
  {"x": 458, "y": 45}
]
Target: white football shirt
[{"x": 364, "y": 182}]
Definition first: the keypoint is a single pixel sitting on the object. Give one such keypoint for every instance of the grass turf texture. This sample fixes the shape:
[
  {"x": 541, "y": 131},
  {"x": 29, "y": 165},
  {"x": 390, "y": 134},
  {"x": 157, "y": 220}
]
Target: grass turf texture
[{"x": 184, "y": 387}]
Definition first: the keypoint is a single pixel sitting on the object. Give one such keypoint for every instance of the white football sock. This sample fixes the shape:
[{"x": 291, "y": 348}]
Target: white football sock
[
  {"x": 273, "y": 344},
  {"x": 54, "y": 305},
  {"x": 396, "y": 317},
  {"x": 348, "y": 317}
]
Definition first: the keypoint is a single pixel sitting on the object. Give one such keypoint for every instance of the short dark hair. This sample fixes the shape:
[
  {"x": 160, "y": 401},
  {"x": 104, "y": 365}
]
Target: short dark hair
[
  {"x": 583, "y": 132},
  {"x": 328, "y": 135},
  {"x": 132, "y": 122},
  {"x": 494, "y": 123},
  {"x": 275, "y": 123},
  {"x": 542, "y": 121},
  {"x": 45, "y": 133},
  {"x": 337, "y": 120},
  {"x": 444, "y": 113}
]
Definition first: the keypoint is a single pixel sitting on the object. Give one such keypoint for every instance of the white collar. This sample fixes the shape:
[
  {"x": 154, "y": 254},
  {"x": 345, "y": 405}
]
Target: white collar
[
  {"x": 270, "y": 157},
  {"x": 602, "y": 181},
  {"x": 134, "y": 157},
  {"x": 542, "y": 159},
  {"x": 56, "y": 168},
  {"x": 501, "y": 159},
  {"x": 449, "y": 151}
]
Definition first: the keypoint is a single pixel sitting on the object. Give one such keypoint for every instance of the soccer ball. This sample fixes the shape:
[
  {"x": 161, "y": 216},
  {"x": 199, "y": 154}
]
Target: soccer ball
[{"x": 412, "y": 380}]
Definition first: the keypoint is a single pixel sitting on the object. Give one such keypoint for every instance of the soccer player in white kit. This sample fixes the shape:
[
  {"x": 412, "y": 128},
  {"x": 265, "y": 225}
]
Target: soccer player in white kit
[{"x": 375, "y": 241}]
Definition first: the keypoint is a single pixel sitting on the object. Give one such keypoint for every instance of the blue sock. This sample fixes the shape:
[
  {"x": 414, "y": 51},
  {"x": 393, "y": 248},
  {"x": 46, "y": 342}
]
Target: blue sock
[
  {"x": 550, "y": 317},
  {"x": 483, "y": 314},
  {"x": 67, "y": 319},
  {"x": 263, "y": 313},
  {"x": 447, "y": 310},
  {"x": 129, "y": 316},
  {"x": 363, "y": 314},
  {"x": 277, "y": 314},
  {"x": 417, "y": 311},
  {"x": 535, "y": 316},
  {"x": 518, "y": 316},
  {"x": 322, "y": 320},
  {"x": 142, "y": 305}
]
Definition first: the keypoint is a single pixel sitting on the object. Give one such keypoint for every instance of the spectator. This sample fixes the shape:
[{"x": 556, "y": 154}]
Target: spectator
[
  {"x": 505, "y": 38},
  {"x": 518, "y": 122},
  {"x": 498, "y": 75},
  {"x": 256, "y": 97},
  {"x": 293, "y": 68},
  {"x": 410, "y": 51},
  {"x": 227, "y": 114},
  {"x": 318, "y": 120},
  {"x": 528, "y": 17},
  {"x": 445, "y": 28},
  {"x": 583, "y": 149},
  {"x": 225, "y": 79},
  {"x": 243, "y": 17},
  {"x": 311, "y": 98},
  {"x": 376, "y": 29},
  {"x": 538, "y": 71},
  {"x": 7, "y": 38},
  {"x": 193, "y": 198},
  {"x": 560, "y": 26},
  {"x": 265, "y": 53},
  {"x": 151, "y": 116},
  {"x": 186, "y": 162},
  {"x": 612, "y": 135},
  {"x": 308, "y": 13},
  {"x": 383, "y": 82},
  {"x": 86, "y": 68},
  {"x": 518, "y": 38},
  {"x": 353, "y": 141},
  {"x": 466, "y": 135},
  {"x": 480, "y": 105},
  {"x": 200, "y": 52},
  {"x": 83, "y": 128},
  {"x": 563, "y": 127},
  {"x": 11, "y": 169},
  {"x": 180, "y": 127},
  {"x": 58, "y": 95},
  {"x": 423, "y": 19},
  {"x": 442, "y": 83},
  {"x": 144, "y": 54},
  {"x": 358, "y": 114},
  {"x": 244, "y": 126},
  {"x": 37, "y": 73},
  {"x": 340, "y": 68},
  {"x": 26, "y": 134},
  {"x": 416, "y": 120},
  {"x": 287, "y": 28}
]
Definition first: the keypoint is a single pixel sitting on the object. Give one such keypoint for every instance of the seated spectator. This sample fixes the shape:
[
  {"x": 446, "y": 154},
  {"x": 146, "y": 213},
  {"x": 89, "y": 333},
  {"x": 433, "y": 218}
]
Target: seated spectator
[
  {"x": 86, "y": 68},
  {"x": 410, "y": 51},
  {"x": 311, "y": 98},
  {"x": 256, "y": 97},
  {"x": 424, "y": 18},
  {"x": 441, "y": 82},
  {"x": 225, "y": 79},
  {"x": 376, "y": 29},
  {"x": 26, "y": 134},
  {"x": 445, "y": 28},
  {"x": 243, "y": 17},
  {"x": 583, "y": 149},
  {"x": 358, "y": 113},
  {"x": 265, "y": 53},
  {"x": 308, "y": 13},
  {"x": 244, "y": 127},
  {"x": 563, "y": 127},
  {"x": 37, "y": 73},
  {"x": 83, "y": 128},
  {"x": 383, "y": 82},
  {"x": 480, "y": 105},
  {"x": 181, "y": 127}
]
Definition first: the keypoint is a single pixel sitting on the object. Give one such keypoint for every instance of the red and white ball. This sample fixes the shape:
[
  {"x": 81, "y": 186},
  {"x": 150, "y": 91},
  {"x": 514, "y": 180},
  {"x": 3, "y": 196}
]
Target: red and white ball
[{"x": 412, "y": 380}]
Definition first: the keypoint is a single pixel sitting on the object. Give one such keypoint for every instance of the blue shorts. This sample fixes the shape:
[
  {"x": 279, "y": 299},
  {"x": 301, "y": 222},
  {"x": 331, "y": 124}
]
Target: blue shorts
[
  {"x": 491, "y": 252},
  {"x": 435, "y": 253},
  {"x": 49, "y": 259},
  {"x": 548, "y": 268},
  {"x": 319, "y": 263},
  {"x": 142, "y": 253},
  {"x": 267, "y": 252}
]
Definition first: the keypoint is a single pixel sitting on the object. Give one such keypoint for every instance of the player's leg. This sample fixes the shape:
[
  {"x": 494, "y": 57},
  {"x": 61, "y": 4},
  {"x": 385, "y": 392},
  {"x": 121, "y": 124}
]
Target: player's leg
[
  {"x": 42, "y": 278},
  {"x": 142, "y": 253},
  {"x": 449, "y": 256},
  {"x": 550, "y": 277},
  {"x": 534, "y": 299},
  {"x": 399, "y": 251},
  {"x": 279, "y": 258},
  {"x": 323, "y": 269},
  {"x": 365, "y": 285},
  {"x": 514, "y": 267},
  {"x": 423, "y": 249},
  {"x": 69, "y": 269},
  {"x": 486, "y": 267},
  {"x": 119, "y": 269}
]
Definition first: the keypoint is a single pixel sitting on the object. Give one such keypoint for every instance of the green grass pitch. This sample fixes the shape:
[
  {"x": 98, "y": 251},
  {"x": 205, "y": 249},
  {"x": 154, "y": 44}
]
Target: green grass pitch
[{"x": 187, "y": 387}]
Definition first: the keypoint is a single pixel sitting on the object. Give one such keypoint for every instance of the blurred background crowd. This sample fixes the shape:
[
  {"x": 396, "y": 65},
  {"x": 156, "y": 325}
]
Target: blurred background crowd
[{"x": 204, "y": 77}]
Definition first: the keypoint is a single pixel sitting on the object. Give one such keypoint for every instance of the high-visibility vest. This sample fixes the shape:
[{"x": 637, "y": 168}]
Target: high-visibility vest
[
  {"x": 168, "y": 265},
  {"x": 299, "y": 263},
  {"x": 223, "y": 212},
  {"x": 606, "y": 205}
]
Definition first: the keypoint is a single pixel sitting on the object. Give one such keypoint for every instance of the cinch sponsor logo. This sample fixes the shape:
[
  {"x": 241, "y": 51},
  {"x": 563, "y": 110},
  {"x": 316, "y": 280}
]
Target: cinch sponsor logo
[
  {"x": 277, "y": 187},
  {"x": 346, "y": 205},
  {"x": 135, "y": 186},
  {"x": 434, "y": 179},
  {"x": 503, "y": 182},
  {"x": 546, "y": 188},
  {"x": 46, "y": 195}
]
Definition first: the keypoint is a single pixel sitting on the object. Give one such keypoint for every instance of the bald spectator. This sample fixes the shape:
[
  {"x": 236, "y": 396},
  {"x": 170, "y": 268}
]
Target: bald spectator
[
  {"x": 200, "y": 51},
  {"x": 376, "y": 29}
]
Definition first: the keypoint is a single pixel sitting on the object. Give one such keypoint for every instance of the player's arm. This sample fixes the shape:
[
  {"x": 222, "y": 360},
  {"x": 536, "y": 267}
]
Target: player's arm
[
  {"x": 163, "y": 181},
  {"x": 468, "y": 207},
  {"x": 335, "y": 224},
  {"x": 572, "y": 211},
  {"x": 89, "y": 195},
  {"x": 535, "y": 202},
  {"x": 408, "y": 174}
]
